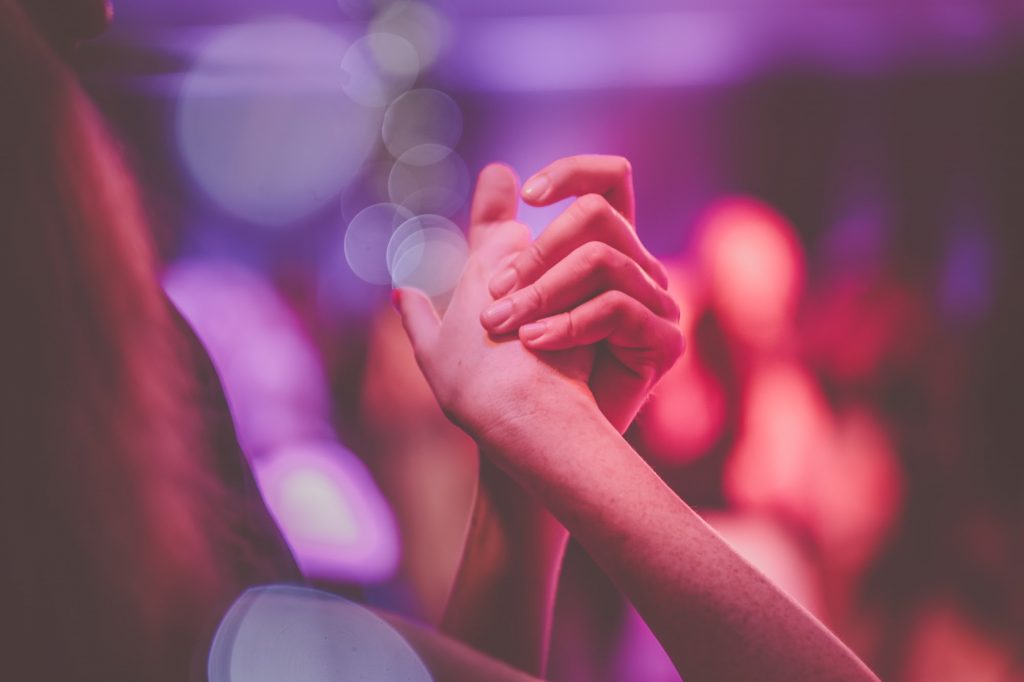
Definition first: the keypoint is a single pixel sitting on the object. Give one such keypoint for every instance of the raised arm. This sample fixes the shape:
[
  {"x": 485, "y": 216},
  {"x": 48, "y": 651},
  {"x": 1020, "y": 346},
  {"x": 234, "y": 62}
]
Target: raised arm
[
  {"x": 569, "y": 284},
  {"x": 535, "y": 415}
]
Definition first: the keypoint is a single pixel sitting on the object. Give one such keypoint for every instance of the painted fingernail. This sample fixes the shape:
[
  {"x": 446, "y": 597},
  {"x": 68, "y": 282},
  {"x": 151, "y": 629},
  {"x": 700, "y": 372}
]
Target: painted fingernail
[
  {"x": 396, "y": 299},
  {"x": 536, "y": 187},
  {"x": 497, "y": 313},
  {"x": 533, "y": 331},
  {"x": 503, "y": 282}
]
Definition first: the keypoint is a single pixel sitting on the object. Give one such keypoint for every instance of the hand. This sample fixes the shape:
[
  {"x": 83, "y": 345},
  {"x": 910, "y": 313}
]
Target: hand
[
  {"x": 588, "y": 279},
  {"x": 484, "y": 382}
]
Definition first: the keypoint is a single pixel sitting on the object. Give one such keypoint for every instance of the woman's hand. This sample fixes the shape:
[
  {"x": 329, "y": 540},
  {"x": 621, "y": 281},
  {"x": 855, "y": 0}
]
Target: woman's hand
[
  {"x": 486, "y": 382},
  {"x": 588, "y": 280}
]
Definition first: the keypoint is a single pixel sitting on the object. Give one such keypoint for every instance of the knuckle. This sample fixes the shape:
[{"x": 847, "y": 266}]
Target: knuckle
[
  {"x": 571, "y": 325},
  {"x": 617, "y": 305},
  {"x": 592, "y": 206},
  {"x": 533, "y": 258},
  {"x": 531, "y": 298},
  {"x": 594, "y": 256}
]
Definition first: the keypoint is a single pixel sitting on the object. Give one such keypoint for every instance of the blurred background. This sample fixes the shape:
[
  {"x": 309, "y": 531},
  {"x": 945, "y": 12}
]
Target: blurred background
[{"x": 837, "y": 187}]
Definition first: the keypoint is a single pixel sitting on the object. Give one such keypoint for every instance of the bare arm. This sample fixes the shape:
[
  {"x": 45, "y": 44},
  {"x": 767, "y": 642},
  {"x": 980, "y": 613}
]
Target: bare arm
[
  {"x": 535, "y": 415},
  {"x": 717, "y": 617}
]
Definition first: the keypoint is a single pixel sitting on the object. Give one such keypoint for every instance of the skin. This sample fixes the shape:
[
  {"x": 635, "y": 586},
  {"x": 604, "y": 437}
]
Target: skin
[
  {"x": 538, "y": 421},
  {"x": 591, "y": 296}
]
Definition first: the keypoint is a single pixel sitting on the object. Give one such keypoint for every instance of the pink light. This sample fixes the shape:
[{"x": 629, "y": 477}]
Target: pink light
[
  {"x": 329, "y": 507},
  {"x": 755, "y": 267}
]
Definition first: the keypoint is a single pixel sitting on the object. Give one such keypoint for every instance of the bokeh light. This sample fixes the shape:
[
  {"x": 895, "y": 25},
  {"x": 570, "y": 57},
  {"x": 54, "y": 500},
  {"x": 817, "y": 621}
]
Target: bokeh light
[
  {"x": 378, "y": 67},
  {"x": 367, "y": 238},
  {"x": 280, "y": 632},
  {"x": 755, "y": 267},
  {"x": 272, "y": 374},
  {"x": 331, "y": 512},
  {"x": 421, "y": 117},
  {"x": 264, "y": 125},
  {"x": 427, "y": 253},
  {"x": 440, "y": 186},
  {"x": 422, "y": 25}
]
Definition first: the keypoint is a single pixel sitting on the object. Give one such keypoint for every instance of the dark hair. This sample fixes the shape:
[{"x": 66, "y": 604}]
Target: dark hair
[{"x": 106, "y": 513}]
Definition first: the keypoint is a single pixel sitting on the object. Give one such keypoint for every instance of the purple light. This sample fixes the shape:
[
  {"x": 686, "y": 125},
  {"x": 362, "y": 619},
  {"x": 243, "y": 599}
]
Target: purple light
[
  {"x": 335, "y": 519},
  {"x": 264, "y": 124},
  {"x": 271, "y": 373}
]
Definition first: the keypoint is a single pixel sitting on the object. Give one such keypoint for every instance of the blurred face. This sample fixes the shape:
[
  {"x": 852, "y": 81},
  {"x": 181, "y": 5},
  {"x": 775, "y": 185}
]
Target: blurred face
[{"x": 68, "y": 22}]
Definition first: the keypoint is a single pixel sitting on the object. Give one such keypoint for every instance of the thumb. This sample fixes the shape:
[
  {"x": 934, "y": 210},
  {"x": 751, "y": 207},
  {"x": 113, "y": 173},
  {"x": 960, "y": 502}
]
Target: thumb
[
  {"x": 419, "y": 319},
  {"x": 496, "y": 199}
]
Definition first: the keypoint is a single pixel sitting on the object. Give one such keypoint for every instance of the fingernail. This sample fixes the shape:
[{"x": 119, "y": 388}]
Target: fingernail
[
  {"x": 536, "y": 187},
  {"x": 503, "y": 282},
  {"x": 396, "y": 299},
  {"x": 497, "y": 313},
  {"x": 533, "y": 331}
]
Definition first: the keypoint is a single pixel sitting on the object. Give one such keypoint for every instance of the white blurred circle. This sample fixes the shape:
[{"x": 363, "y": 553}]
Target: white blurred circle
[
  {"x": 440, "y": 186},
  {"x": 378, "y": 67},
  {"x": 410, "y": 227},
  {"x": 421, "y": 117},
  {"x": 367, "y": 238},
  {"x": 423, "y": 26},
  {"x": 284, "y": 632},
  {"x": 262, "y": 125},
  {"x": 427, "y": 253}
]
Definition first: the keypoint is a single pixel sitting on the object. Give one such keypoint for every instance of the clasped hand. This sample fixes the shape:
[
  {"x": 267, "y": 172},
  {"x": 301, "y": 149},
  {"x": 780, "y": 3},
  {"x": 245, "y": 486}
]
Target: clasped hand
[{"x": 581, "y": 314}]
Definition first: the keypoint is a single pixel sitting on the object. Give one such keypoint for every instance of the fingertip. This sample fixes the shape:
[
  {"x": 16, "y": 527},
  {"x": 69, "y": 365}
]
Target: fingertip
[
  {"x": 499, "y": 175},
  {"x": 537, "y": 189},
  {"x": 496, "y": 196}
]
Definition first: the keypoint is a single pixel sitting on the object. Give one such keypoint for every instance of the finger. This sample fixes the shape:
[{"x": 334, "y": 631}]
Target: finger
[
  {"x": 495, "y": 199},
  {"x": 609, "y": 176},
  {"x": 590, "y": 270},
  {"x": 419, "y": 319},
  {"x": 651, "y": 343},
  {"x": 589, "y": 218}
]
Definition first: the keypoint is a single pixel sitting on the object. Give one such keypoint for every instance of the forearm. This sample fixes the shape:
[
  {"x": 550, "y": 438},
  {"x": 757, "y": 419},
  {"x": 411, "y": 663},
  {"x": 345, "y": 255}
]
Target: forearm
[
  {"x": 716, "y": 616},
  {"x": 504, "y": 592}
]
